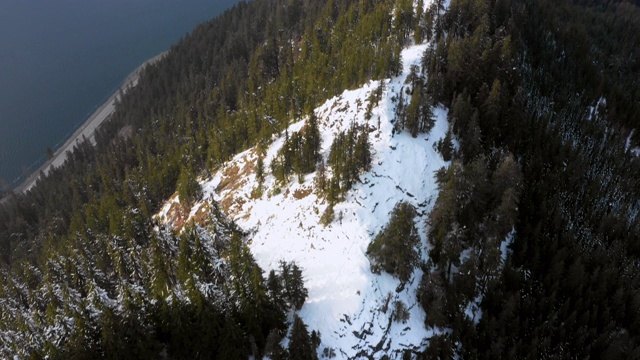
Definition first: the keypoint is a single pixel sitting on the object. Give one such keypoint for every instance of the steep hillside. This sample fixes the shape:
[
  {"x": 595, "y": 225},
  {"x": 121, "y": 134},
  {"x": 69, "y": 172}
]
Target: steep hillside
[
  {"x": 350, "y": 306},
  {"x": 87, "y": 272},
  {"x": 447, "y": 180}
]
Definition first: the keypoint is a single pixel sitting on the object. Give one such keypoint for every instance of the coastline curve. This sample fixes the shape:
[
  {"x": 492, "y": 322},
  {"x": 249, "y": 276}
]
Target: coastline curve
[{"x": 86, "y": 131}]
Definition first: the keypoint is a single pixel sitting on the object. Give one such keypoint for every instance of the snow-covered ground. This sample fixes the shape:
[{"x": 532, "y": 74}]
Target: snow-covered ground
[{"x": 345, "y": 298}]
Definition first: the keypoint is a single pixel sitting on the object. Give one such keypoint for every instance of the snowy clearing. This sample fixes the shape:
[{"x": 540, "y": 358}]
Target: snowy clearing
[{"x": 346, "y": 300}]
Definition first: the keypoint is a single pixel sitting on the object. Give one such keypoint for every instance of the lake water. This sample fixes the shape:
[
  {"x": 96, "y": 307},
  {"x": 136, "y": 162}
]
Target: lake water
[{"x": 60, "y": 60}]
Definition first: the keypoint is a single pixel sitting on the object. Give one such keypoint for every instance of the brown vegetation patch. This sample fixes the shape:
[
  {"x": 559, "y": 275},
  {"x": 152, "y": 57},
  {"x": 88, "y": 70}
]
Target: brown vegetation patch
[
  {"x": 250, "y": 164},
  {"x": 247, "y": 214},
  {"x": 302, "y": 193},
  {"x": 230, "y": 176},
  {"x": 239, "y": 203},
  {"x": 231, "y": 205},
  {"x": 226, "y": 203},
  {"x": 177, "y": 215},
  {"x": 233, "y": 177},
  {"x": 202, "y": 217}
]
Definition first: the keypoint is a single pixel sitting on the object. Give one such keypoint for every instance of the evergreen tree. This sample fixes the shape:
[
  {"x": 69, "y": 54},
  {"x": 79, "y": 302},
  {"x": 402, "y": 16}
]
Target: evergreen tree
[
  {"x": 260, "y": 170},
  {"x": 300, "y": 152},
  {"x": 188, "y": 187},
  {"x": 492, "y": 108},
  {"x": 232, "y": 337},
  {"x": 362, "y": 151},
  {"x": 350, "y": 154},
  {"x": 445, "y": 146},
  {"x": 394, "y": 249},
  {"x": 403, "y": 18},
  {"x": 413, "y": 113},
  {"x": 273, "y": 349},
  {"x": 293, "y": 284},
  {"x": 399, "y": 122},
  {"x": 300, "y": 346},
  {"x": 321, "y": 182},
  {"x": 420, "y": 23},
  {"x": 311, "y": 143},
  {"x": 276, "y": 291}
]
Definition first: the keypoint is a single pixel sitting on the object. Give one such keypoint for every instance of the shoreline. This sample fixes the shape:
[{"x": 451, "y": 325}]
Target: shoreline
[{"x": 86, "y": 130}]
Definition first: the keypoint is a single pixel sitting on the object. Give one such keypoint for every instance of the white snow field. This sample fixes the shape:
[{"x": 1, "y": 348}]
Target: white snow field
[{"x": 346, "y": 299}]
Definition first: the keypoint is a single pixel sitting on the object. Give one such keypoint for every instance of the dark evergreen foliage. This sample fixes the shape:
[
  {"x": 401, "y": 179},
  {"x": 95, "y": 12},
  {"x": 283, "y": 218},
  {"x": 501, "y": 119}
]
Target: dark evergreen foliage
[
  {"x": 199, "y": 295},
  {"x": 301, "y": 345},
  {"x": 273, "y": 349},
  {"x": 216, "y": 92},
  {"x": 395, "y": 248},
  {"x": 188, "y": 188},
  {"x": 300, "y": 152},
  {"x": 521, "y": 75},
  {"x": 292, "y": 284},
  {"x": 417, "y": 116},
  {"x": 350, "y": 154}
]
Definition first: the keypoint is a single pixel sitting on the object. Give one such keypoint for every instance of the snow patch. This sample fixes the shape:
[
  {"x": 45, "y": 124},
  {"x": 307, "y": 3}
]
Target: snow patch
[
  {"x": 504, "y": 246},
  {"x": 349, "y": 305}
]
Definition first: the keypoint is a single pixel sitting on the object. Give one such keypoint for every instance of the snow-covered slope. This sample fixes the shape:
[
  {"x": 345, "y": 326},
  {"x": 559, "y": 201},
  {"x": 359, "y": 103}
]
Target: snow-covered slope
[{"x": 346, "y": 300}]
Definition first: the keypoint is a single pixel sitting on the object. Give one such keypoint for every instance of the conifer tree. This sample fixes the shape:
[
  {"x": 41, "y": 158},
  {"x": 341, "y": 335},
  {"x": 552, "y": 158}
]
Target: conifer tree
[
  {"x": 295, "y": 288},
  {"x": 349, "y": 155},
  {"x": 445, "y": 146},
  {"x": 260, "y": 170},
  {"x": 276, "y": 291},
  {"x": 362, "y": 151},
  {"x": 491, "y": 111},
  {"x": 394, "y": 249},
  {"x": 300, "y": 152},
  {"x": 470, "y": 138},
  {"x": 232, "y": 337},
  {"x": 321, "y": 182},
  {"x": 188, "y": 187},
  {"x": 293, "y": 284},
  {"x": 311, "y": 143},
  {"x": 413, "y": 113},
  {"x": 420, "y": 23},
  {"x": 300, "y": 346},
  {"x": 399, "y": 123},
  {"x": 403, "y": 19},
  {"x": 273, "y": 349}
]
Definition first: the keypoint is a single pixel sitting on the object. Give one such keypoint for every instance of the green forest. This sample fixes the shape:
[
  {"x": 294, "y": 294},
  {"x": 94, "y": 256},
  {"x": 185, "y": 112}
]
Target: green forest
[{"x": 86, "y": 271}]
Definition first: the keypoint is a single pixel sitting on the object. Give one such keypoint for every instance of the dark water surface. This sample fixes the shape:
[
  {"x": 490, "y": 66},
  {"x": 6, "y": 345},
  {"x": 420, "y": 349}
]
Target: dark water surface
[{"x": 60, "y": 60}]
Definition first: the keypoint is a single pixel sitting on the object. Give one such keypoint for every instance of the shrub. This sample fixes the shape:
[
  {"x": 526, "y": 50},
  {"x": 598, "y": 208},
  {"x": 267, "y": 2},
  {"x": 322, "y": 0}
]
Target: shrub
[{"x": 400, "y": 312}]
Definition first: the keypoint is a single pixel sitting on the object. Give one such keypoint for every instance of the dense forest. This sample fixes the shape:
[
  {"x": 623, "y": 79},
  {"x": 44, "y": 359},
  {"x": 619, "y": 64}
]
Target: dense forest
[
  {"x": 544, "y": 82},
  {"x": 543, "y": 110}
]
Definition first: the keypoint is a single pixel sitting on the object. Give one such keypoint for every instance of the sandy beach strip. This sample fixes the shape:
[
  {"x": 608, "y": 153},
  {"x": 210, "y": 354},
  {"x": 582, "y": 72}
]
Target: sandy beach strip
[{"x": 87, "y": 130}]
